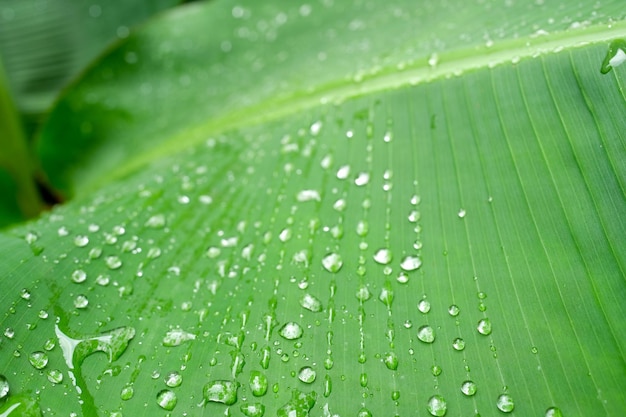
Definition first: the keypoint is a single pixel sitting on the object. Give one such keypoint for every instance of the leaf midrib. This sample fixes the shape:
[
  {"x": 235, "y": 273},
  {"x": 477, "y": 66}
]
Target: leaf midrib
[{"x": 452, "y": 63}]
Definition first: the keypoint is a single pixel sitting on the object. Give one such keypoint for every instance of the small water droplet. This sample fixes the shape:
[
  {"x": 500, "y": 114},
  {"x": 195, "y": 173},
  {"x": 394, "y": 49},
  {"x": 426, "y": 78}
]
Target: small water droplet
[
  {"x": 156, "y": 222},
  {"x": 363, "y": 294},
  {"x": 386, "y": 296},
  {"x": 383, "y": 256},
  {"x": 468, "y": 388},
  {"x": 54, "y": 376},
  {"x": 458, "y": 344},
  {"x": 461, "y": 213},
  {"x": 391, "y": 361},
  {"x": 340, "y": 205},
  {"x": 128, "y": 392},
  {"x": 173, "y": 379},
  {"x": 291, "y": 331},
  {"x": 328, "y": 385},
  {"x": 176, "y": 337},
  {"x": 332, "y": 262},
  {"x": 95, "y": 253},
  {"x": 505, "y": 403},
  {"x": 534, "y": 350},
  {"x": 484, "y": 327},
  {"x": 435, "y": 370},
  {"x": 221, "y": 391},
  {"x": 423, "y": 306},
  {"x": 166, "y": 399},
  {"x": 113, "y": 262},
  {"x": 285, "y": 235},
  {"x": 362, "y": 179},
  {"x": 79, "y": 276},
  {"x": 364, "y": 412},
  {"x": 410, "y": 263},
  {"x": 4, "y": 386},
  {"x": 362, "y": 228},
  {"x": 426, "y": 334},
  {"x": 38, "y": 359},
  {"x": 81, "y": 301},
  {"x": 307, "y": 375},
  {"x": 253, "y": 410},
  {"x": 308, "y": 195},
  {"x": 258, "y": 383},
  {"x": 343, "y": 172},
  {"x": 615, "y": 56},
  {"x": 437, "y": 406},
  {"x": 454, "y": 310},
  {"x": 550, "y": 412},
  {"x": 311, "y": 303},
  {"x": 481, "y": 295},
  {"x": 414, "y": 216}
]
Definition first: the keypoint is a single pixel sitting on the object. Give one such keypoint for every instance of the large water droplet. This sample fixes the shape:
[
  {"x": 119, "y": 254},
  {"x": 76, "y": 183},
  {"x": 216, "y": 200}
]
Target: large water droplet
[
  {"x": 437, "y": 406},
  {"x": 550, "y": 412},
  {"x": 113, "y": 262},
  {"x": 221, "y": 391},
  {"x": 54, "y": 376},
  {"x": 258, "y": 383},
  {"x": 311, "y": 302},
  {"x": 484, "y": 327},
  {"x": 299, "y": 405},
  {"x": 426, "y": 334},
  {"x": 423, "y": 306},
  {"x": 81, "y": 241},
  {"x": 468, "y": 388},
  {"x": 173, "y": 379},
  {"x": 505, "y": 403},
  {"x": 167, "y": 399},
  {"x": 383, "y": 256},
  {"x": 38, "y": 359},
  {"x": 391, "y": 361},
  {"x": 176, "y": 337},
  {"x": 291, "y": 331},
  {"x": 616, "y": 55},
  {"x": 79, "y": 276},
  {"x": 253, "y": 410},
  {"x": 113, "y": 343},
  {"x": 332, "y": 262},
  {"x": 4, "y": 386},
  {"x": 307, "y": 375},
  {"x": 128, "y": 392},
  {"x": 410, "y": 263}
]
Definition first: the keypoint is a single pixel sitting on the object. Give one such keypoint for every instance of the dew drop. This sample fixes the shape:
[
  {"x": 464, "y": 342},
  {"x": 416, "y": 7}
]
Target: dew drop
[
  {"x": 253, "y": 410},
  {"x": 220, "y": 391},
  {"x": 328, "y": 385},
  {"x": 291, "y": 331},
  {"x": 308, "y": 195},
  {"x": 550, "y": 412},
  {"x": 167, "y": 399},
  {"x": 113, "y": 262},
  {"x": 258, "y": 383},
  {"x": 423, "y": 306},
  {"x": 311, "y": 303},
  {"x": 410, "y": 263},
  {"x": 363, "y": 294},
  {"x": 364, "y": 412},
  {"x": 437, "y": 406},
  {"x": 426, "y": 334},
  {"x": 505, "y": 403},
  {"x": 414, "y": 216},
  {"x": 81, "y": 241},
  {"x": 534, "y": 350},
  {"x": 340, "y": 205},
  {"x": 343, "y": 172},
  {"x": 435, "y": 370},
  {"x": 468, "y": 388},
  {"x": 454, "y": 310},
  {"x": 173, "y": 379},
  {"x": 484, "y": 327},
  {"x": 332, "y": 262},
  {"x": 81, "y": 301},
  {"x": 383, "y": 256},
  {"x": 95, "y": 253},
  {"x": 307, "y": 375},
  {"x": 79, "y": 276},
  {"x": 38, "y": 359},
  {"x": 391, "y": 361},
  {"x": 127, "y": 393},
  {"x": 4, "y": 387},
  {"x": 103, "y": 280},
  {"x": 362, "y": 179},
  {"x": 458, "y": 344},
  {"x": 176, "y": 337},
  {"x": 461, "y": 213},
  {"x": 9, "y": 333},
  {"x": 386, "y": 296},
  {"x": 54, "y": 376},
  {"x": 156, "y": 222}
]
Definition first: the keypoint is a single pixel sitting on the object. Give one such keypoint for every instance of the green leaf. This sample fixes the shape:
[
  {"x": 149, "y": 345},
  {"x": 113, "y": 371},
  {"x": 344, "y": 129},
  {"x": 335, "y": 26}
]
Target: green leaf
[{"x": 329, "y": 209}]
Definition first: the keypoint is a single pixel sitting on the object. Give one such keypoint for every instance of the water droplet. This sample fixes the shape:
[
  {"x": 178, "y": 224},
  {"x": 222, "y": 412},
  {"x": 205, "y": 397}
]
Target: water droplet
[
  {"x": 9, "y": 333},
  {"x": 436, "y": 370},
  {"x": 128, "y": 392},
  {"x": 328, "y": 385},
  {"x": 423, "y": 306},
  {"x": 299, "y": 405},
  {"x": 285, "y": 234},
  {"x": 364, "y": 412},
  {"x": 173, "y": 379},
  {"x": 481, "y": 295},
  {"x": 113, "y": 262},
  {"x": 484, "y": 327},
  {"x": 343, "y": 172},
  {"x": 79, "y": 276},
  {"x": 386, "y": 296},
  {"x": 95, "y": 253},
  {"x": 383, "y": 256},
  {"x": 311, "y": 303},
  {"x": 315, "y": 128},
  {"x": 534, "y": 350},
  {"x": 363, "y": 294},
  {"x": 410, "y": 263},
  {"x": 156, "y": 222},
  {"x": 49, "y": 344},
  {"x": 253, "y": 410},
  {"x": 461, "y": 213},
  {"x": 414, "y": 216},
  {"x": 176, "y": 337},
  {"x": 291, "y": 331},
  {"x": 362, "y": 228},
  {"x": 550, "y": 412},
  {"x": 437, "y": 406},
  {"x": 362, "y": 179},
  {"x": 505, "y": 403},
  {"x": 308, "y": 195},
  {"x": 112, "y": 342},
  {"x": 81, "y": 301},
  {"x": 426, "y": 334},
  {"x": 54, "y": 376},
  {"x": 615, "y": 56},
  {"x": 340, "y": 205},
  {"x": 221, "y": 391},
  {"x": 332, "y": 262},
  {"x": 38, "y": 359},
  {"x": 166, "y": 399},
  {"x": 4, "y": 386},
  {"x": 408, "y": 324},
  {"x": 468, "y": 388},
  {"x": 454, "y": 310},
  {"x": 307, "y": 375},
  {"x": 391, "y": 361},
  {"x": 258, "y": 383},
  {"x": 458, "y": 344}
]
